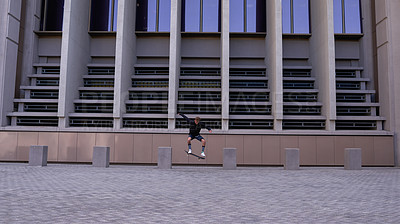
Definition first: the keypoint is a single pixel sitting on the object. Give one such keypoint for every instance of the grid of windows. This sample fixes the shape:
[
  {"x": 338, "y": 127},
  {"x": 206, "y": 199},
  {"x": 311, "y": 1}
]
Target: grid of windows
[
  {"x": 153, "y": 15},
  {"x": 246, "y": 16},
  {"x": 103, "y": 15},
  {"x": 295, "y": 16},
  {"x": 347, "y": 16},
  {"x": 201, "y": 16},
  {"x": 52, "y": 15}
]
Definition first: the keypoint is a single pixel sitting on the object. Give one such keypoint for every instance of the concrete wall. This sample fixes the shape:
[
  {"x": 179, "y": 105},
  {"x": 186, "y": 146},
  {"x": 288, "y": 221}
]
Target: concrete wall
[
  {"x": 10, "y": 15},
  {"x": 251, "y": 149},
  {"x": 388, "y": 57}
]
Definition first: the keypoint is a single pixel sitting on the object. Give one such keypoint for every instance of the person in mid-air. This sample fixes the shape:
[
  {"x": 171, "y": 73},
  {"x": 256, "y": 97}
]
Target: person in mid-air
[{"x": 194, "y": 132}]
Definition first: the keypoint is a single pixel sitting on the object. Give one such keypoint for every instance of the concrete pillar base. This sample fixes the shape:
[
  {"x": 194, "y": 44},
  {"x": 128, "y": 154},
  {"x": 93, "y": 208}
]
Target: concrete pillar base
[
  {"x": 101, "y": 156},
  {"x": 164, "y": 157},
  {"x": 352, "y": 159},
  {"x": 292, "y": 160},
  {"x": 38, "y": 155},
  {"x": 229, "y": 158}
]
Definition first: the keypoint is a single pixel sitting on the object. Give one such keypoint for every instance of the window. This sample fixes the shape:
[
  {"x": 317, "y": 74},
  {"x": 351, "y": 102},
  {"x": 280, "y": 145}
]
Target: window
[
  {"x": 347, "y": 16},
  {"x": 247, "y": 16},
  {"x": 52, "y": 15},
  {"x": 153, "y": 15},
  {"x": 201, "y": 16},
  {"x": 295, "y": 16},
  {"x": 103, "y": 15}
]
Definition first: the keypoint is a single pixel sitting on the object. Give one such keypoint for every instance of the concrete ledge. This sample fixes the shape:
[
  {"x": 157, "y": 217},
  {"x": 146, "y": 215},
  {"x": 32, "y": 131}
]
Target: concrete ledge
[
  {"x": 292, "y": 159},
  {"x": 229, "y": 158},
  {"x": 352, "y": 159},
  {"x": 38, "y": 155},
  {"x": 101, "y": 156},
  {"x": 164, "y": 157}
]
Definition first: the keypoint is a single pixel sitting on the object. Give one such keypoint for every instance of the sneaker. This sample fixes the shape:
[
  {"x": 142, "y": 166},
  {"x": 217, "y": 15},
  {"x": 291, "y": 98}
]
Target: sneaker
[
  {"x": 202, "y": 154},
  {"x": 190, "y": 151}
]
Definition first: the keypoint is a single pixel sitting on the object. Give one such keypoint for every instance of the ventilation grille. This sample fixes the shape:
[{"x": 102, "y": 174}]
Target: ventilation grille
[
  {"x": 152, "y": 71},
  {"x": 37, "y": 121},
  {"x": 199, "y": 84},
  {"x": 145, "y": 123},
  {"x": 48, "y": 70},
  {"x": 353, "y": 97},
  {"x": 148, "y": 96},
  {"x": 248, "y": 97},
  {"x": 40, "y": 107},
  {"x": 300, "y": 97},
  {"x": 251, "y": 124},
  {"x": 200, "y": 72},
  {"x": 212, "y": 123},
  {"x": 44, "y": 94},
  {"x": 149, "y": 108},
  {"x": 150, "y": 83},
  {"x": 250, "y": 109},
  {"x": 301, "y": 110},
  {"x": 93, "y": 108},
  {"x": 96, "y": 95},
  {"x": 199, "y": 96},
  {"x": 296, "y": 73},
  {"x": 356, "y": 125},
  {"x": 101, "y": 71},
  {"x": 248, "y": 84},
  {"x": 290, "y": 84},
  {"x": 199, "y": 109},
  {"x": 303, "y": 124},
  {"x": 91, "y": 122},
  {"x": 247, "y": 73}
]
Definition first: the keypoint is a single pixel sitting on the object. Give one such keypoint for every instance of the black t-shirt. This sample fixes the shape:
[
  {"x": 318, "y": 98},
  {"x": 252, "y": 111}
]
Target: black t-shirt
[{"x": 194, "y": 129}]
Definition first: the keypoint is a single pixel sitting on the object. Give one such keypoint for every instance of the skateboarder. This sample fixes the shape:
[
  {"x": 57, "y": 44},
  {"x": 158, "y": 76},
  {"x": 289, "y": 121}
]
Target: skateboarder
[{"x": 194, "y": 132}]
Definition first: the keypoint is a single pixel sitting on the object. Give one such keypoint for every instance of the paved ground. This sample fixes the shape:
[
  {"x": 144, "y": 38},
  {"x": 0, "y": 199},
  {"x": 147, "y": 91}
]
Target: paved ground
[{"x": 61, "y": 193}]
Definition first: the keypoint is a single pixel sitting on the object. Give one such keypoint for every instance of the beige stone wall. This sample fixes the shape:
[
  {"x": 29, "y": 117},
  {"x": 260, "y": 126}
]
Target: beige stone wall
[{"x": 142, "y": 148}]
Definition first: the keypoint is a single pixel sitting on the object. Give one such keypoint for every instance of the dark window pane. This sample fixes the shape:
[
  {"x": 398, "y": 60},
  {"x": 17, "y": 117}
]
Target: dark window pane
[
  {"x": 141, "y": 15},
  {"x": 151, "y": 15},
  {"x": 236, "y": 16},
  {"x": 337, "y": 16},
  {"x": 192, "y": 15},
  {"x": 115, "y": 15},
  {"x": 300, "y": 16},
  {"x": 99, "y": 15},
  {"x": 286, "y": 16},
  {"x": 164, "y": 15},
  {"x": 53, "y": 15},
  {"x": 210, "y": 15},
  {"x": 251, "y": 15},
  {"x": 352, "y": 16}
]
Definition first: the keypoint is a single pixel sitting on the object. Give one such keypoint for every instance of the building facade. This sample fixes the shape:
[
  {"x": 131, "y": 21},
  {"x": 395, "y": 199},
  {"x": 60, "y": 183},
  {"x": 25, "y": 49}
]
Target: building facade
[{"x": 263, "y": 74}]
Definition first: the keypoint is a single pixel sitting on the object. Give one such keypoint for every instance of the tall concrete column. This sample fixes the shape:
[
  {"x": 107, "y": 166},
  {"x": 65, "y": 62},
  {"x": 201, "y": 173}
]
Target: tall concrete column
[
  {"x": 75, "y": 55},
  {"x": 125, "y": 57},
  {"x": 388, "y": 57},
  {"x": 322, "y": 48},
  {"x": 10, "y": 16},
  {"x": 174, "y": 61},
  {"x": 273, "y": 59},
  {"x": 225, "y": 64}
]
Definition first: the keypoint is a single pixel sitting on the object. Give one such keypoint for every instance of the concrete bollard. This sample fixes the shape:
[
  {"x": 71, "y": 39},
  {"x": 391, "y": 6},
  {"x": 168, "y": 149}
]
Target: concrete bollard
[
  {"x": 292, "y": 160},
  {"x": 101, "y": 156},
  {"x": 229, "y": 158},
  {"x": 164, "y": 158},
  {"x": 38, "y": 155},
  {"x": 352, "y": 159}
]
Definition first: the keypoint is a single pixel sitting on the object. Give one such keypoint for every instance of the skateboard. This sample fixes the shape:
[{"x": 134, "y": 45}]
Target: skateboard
[{"x": 198, "y": 157}]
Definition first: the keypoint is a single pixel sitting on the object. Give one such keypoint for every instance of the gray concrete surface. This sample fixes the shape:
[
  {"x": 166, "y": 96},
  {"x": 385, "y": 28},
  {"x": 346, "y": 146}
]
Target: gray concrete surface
[
  {"x": 229, "y": 160},
  {"x": 292, "y": 159},
  {"x": 352, "y": 159},
  {"x": 62, "y": 193},
  {"x": 38, "y": 155},
  {"x": 164, "y": 158},
  {"x": 101, "y": 156}
]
